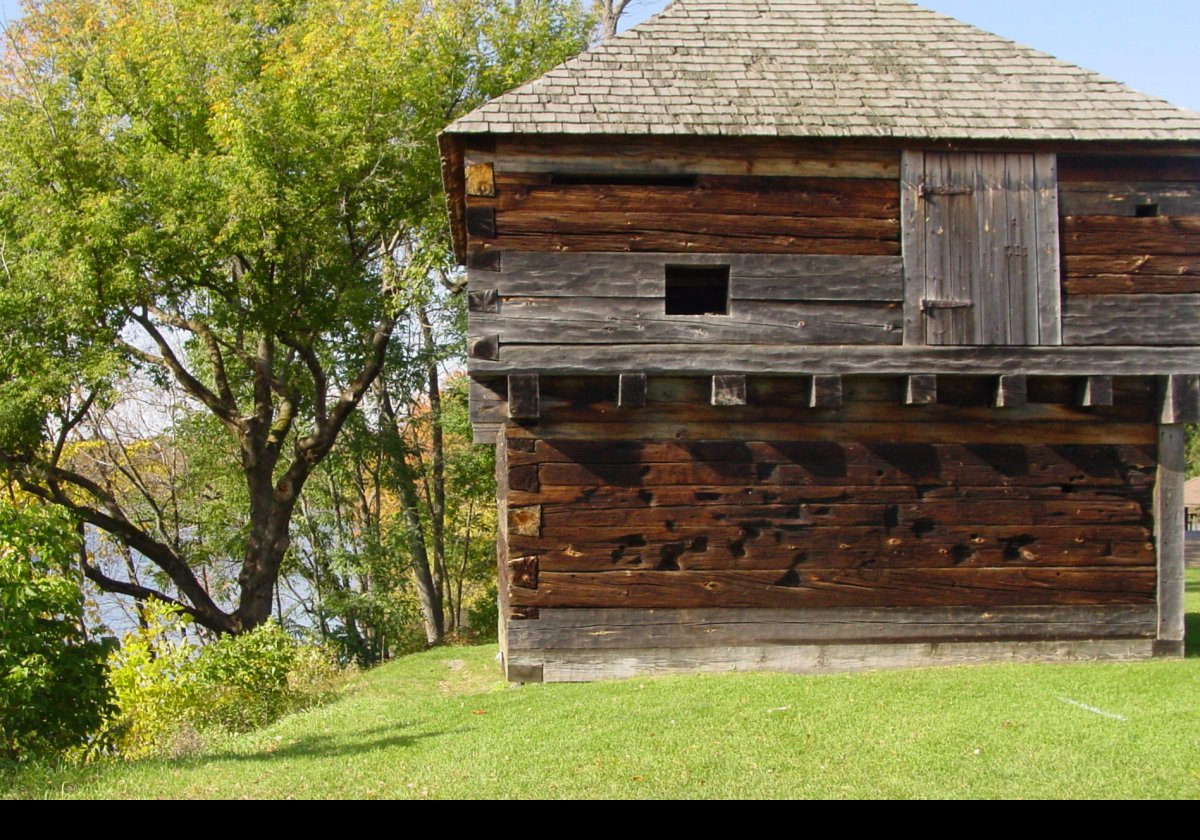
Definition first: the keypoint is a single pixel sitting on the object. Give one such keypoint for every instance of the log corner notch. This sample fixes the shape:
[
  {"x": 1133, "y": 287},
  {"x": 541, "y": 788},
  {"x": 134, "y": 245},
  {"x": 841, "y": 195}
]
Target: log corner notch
[
  {"x": 729, "y": 390},
  {"x": 631, "y": 390},
  {"x": 524, "y": 397}
]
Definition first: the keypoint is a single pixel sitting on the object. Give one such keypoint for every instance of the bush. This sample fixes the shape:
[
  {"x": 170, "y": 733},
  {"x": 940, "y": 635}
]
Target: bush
[
  {"x": 168, "y": 692},
  {"x": 53, "y": 692}
]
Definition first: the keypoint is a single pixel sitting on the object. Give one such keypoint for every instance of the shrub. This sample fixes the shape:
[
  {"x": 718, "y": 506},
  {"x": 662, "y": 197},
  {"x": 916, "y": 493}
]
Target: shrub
[
  {"x": 53, "y": 693},
  {"x": 170, "y": 691}
]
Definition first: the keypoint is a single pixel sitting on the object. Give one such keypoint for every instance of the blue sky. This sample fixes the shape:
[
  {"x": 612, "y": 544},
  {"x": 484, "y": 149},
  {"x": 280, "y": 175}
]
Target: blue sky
[{"x": 1151, "y": 45}]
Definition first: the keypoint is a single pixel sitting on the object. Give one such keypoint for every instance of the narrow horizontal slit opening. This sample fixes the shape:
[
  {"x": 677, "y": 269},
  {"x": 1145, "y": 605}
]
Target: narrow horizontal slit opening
[
  {"x": 1146, "y": 211},
  {"x": 568, "y": 179}
]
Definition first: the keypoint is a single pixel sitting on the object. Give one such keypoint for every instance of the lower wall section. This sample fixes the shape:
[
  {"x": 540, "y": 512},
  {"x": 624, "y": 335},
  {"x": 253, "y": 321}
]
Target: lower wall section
[
  {"x": 587, "y": 666},
  {"x": 855, "y": 537}
]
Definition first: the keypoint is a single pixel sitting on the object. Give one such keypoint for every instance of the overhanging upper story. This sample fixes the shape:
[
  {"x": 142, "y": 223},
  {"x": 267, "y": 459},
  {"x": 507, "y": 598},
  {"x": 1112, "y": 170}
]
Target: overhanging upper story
[{"x": 826, "y": 187}]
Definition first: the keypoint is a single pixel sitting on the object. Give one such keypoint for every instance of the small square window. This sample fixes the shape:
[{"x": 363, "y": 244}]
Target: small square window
[{"x": 697, "y": 289}]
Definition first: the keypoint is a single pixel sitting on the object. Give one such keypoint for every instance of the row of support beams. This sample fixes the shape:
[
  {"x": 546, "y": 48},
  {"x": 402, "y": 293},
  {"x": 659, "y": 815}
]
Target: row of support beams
[{"x": 1179, "y": 395}]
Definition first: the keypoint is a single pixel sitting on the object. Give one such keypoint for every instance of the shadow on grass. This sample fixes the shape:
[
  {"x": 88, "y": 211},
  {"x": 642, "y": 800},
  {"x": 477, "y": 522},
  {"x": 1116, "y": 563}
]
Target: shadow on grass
[
  {"x": 324, "y": 746},
  {"x": 1192, "y": 646}
]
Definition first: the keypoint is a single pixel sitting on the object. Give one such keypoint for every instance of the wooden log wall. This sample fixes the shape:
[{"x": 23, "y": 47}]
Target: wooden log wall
[
  {"x": 773, "y": 504},
  {"x": 1131, "y": 250},
  {"x": 764, "y": 197}
]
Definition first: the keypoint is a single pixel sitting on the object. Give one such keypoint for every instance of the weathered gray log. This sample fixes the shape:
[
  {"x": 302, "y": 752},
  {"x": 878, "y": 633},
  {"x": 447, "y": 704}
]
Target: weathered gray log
[
  {"x": 586, "y": 666},
  {"x": 752, "y": 276},
  {"x": 1132, "y": 319},
  {"x": 599, "y": 629},
  {"x": 792, "y": 360},
  {"x": 1169, "y": 527}
]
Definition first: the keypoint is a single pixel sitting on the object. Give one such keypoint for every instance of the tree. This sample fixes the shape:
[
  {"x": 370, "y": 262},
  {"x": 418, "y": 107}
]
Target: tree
[{"x": 240, "y": 197}]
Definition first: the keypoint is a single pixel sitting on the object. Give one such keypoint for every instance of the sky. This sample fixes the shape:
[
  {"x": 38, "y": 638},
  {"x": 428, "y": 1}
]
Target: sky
[{"x": 1151, "y": 45}]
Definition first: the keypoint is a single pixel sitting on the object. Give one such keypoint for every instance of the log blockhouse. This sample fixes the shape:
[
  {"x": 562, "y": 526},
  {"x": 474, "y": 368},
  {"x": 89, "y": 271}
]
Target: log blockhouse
[{"x": 830, "y": 334}]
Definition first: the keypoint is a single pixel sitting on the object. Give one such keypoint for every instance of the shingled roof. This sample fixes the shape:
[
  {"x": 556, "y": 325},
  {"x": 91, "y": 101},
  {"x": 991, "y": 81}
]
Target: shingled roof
[{"x": 825, "y": 68}]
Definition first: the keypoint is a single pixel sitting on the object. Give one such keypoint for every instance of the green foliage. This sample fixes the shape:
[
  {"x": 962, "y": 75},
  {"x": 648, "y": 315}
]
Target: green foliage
[
  {"x": 53, "y": 693},
  {"x": 169, "y": 690}
]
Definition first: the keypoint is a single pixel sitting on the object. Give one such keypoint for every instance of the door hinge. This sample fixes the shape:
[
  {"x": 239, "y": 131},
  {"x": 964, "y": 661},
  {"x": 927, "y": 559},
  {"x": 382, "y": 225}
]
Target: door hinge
[
  {"x": 927, "y": 304},
  {"x": 926, "y": 189}
]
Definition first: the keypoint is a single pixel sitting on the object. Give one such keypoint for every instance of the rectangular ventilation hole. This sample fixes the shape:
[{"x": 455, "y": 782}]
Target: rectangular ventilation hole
[
  {"x": 1146, "y": 211},
  {"x": 697, "y": 289},
  {"x": 606, "y": 180}
]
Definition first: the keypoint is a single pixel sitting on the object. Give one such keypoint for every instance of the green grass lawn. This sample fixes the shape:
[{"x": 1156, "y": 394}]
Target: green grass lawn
[{"x": 443, "y": 724}]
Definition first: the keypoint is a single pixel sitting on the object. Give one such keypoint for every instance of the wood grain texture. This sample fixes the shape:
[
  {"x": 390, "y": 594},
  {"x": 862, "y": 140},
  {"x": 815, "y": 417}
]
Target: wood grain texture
[
  {"x": 766, "y": 359},
  {"x": 1169, "y": 526},
  {"x": 585, "y": 629},
  {"x": 752, "y": 276},
  {"x": 1123, "y": 198},
  {"x": 843, "y": 588},
  {"x": 1122, "y": 235},
  {"x": 585, "y": 320},
  {"x": 586, "y": 666},
  {"x": 920, "y": 390},
  {"x": 1096, "y": 391},
  {"x": 728, "y": 390},
  {"x": 524, "y": 399},
  {"x": 1128, "y": 320},
  {"x": 1179, "y": 399}
]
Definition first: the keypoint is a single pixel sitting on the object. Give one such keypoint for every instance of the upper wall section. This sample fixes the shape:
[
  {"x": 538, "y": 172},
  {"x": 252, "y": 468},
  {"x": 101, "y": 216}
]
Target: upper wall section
[{"x": 604, "y": 255}]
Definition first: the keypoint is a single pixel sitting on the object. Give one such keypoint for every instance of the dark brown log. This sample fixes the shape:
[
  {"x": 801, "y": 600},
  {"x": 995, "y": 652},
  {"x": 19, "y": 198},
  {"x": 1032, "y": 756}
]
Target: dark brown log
[
  {"x": 833, "y": 588},
  {"x": 1118, "y": 235},
  {"x": 1075, "y": 169},
  {"x": 1137, "y": 264},
  {"x": 646, "y": 242},
  {"x": 1133, "y": 284},
  {"x": 779, "y": 196}
]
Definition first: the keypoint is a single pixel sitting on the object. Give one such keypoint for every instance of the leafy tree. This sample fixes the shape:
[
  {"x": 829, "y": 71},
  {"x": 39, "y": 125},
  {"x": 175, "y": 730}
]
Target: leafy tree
[
  {"x": 238, "y": 197},
  {"x": 53, "y": 691}
]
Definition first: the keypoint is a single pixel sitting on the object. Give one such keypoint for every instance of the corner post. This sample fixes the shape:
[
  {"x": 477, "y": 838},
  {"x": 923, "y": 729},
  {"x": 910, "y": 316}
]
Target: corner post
[{"x": 1169, "y": 533}]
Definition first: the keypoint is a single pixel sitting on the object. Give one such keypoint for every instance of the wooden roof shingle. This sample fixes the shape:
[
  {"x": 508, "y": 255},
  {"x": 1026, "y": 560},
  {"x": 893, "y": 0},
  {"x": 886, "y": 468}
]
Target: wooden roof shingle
[{"x": 825, "y": 68}]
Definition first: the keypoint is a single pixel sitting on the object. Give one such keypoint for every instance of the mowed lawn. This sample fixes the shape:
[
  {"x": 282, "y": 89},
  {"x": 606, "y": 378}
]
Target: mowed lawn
[{"x": 443, "y": 724}]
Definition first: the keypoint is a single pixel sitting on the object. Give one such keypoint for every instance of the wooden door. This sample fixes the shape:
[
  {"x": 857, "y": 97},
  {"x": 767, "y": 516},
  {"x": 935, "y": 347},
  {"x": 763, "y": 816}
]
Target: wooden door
[{"x": 981, "y": 249}]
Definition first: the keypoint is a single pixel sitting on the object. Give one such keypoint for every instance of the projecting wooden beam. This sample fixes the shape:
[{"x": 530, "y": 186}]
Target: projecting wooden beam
[
  {"x": 921, "y": 390},
  {"x": 1012, "y": 391},
  {"x": 729, "y": 390},
  {"x": 1179, "y": 399},
  {"x": 1096, "y": 390},
  {"x": 484, "y": 300},
  {"x": 524, "y": 400},
  {"x": 484, "y": 260},
  {"x": 826, "y": 392},
  {"x": 481, "y": 179},
  {"x": 481, "y": 222},
  {"x": 484, "y": 347},
  {"x": 631, "y": 390}
]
